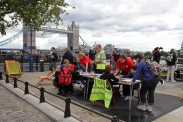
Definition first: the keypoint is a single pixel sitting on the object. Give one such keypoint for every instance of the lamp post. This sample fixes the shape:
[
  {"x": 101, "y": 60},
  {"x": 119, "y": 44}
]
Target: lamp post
[{"x": 31, "y": 58}]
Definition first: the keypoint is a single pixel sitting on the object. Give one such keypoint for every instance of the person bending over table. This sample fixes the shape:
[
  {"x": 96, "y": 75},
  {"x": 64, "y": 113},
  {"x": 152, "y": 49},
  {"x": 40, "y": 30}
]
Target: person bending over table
[
  {"x": 85, "y": 61},
  {"x": 148, "y": 84},
  {"x": 125, "y": 64}
]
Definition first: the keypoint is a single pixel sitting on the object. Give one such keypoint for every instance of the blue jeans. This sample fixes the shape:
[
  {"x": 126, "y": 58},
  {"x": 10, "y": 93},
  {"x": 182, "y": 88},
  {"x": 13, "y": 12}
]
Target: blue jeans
[
  {"x": 52, "y": 65},
  {"x": 113, "y": 65}
]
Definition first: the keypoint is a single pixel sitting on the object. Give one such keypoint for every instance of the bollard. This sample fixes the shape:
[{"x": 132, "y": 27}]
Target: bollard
[
  {"x": 7, "y": 78},
  {"x": 115, "y": 119},
  {"x": 15, "y": 82},
  {"x": 67, "y": 112},
  {"x": 1, "y": 75},
  {"x": 42, "y": 98},
  {"x": 26, "y": 88}
]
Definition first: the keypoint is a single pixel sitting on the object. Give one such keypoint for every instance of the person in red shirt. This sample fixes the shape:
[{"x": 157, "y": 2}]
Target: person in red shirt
[
  {"x": 85, "y": 61},
  {"x": 125, "y": 64}
]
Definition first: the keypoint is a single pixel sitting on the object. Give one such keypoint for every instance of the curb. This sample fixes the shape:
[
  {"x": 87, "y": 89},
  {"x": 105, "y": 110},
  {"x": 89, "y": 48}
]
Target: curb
[{"x": 52, "y": 112}]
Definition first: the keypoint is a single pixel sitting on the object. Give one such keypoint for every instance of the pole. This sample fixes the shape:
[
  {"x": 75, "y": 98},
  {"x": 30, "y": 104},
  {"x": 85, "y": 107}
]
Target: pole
[
  {"x": 31, "y": 58},
  {"x": 67, "y": 112}
]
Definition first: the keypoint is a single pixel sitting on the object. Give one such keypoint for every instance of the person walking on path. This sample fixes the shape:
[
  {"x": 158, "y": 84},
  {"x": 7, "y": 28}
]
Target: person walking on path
[
  {"x": 148, "y": 84},
  {"x": 67, "y": 55},
  {"x": 171, "y": 62},
  {"x": 100, "y": 59},
  {"x": 54, "y": 58}
]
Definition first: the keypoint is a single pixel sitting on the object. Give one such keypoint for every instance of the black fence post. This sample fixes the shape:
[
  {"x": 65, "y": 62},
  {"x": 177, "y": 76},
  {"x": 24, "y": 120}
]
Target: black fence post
[
  {"x": 1, "y": 75},
  {"x": 15, "y": 82},
  {"x": 115, "y": 119},
  {"x": 7, "y": 78},
  {"x": 42, "y": 98},
  {"x": 67, "y": 112},
  {"x": 26, "y": 88}
]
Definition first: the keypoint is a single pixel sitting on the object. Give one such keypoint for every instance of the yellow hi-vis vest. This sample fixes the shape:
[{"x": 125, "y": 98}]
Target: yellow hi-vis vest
[
  {"x": 101, "y": 91},
  {"x": 100, "y": 66}
]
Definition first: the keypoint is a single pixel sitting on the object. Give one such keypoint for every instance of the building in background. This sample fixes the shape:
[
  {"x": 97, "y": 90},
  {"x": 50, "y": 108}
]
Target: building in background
[{"x": 181, "y": 49}]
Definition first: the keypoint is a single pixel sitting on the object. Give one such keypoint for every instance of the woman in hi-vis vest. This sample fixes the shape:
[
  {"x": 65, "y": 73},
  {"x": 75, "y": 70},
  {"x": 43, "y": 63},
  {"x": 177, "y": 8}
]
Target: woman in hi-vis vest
[{"x": 100, "y": 59}]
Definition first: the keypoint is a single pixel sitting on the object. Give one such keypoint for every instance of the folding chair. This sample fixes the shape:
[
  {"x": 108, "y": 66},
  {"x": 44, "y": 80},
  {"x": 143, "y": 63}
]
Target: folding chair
[
  {"x": 47, "y": 77},
  {"x": 13, "y": 68}
]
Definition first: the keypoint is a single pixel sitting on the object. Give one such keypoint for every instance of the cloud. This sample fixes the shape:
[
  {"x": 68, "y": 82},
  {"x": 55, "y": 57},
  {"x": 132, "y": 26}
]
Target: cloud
[{"x": 138, "y": 25}]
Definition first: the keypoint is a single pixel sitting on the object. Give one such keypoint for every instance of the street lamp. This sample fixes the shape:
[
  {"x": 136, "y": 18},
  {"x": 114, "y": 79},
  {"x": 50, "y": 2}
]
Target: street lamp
[{"x": 31, "y": 58}]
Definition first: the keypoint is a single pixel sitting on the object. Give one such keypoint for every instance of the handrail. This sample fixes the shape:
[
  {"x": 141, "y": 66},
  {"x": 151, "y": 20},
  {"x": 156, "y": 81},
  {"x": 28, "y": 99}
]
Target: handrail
[{"x": 63, "y": 98}]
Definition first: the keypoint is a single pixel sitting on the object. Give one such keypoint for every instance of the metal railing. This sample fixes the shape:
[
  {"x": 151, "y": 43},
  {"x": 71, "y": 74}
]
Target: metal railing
[{"x": 67, "y": 112}]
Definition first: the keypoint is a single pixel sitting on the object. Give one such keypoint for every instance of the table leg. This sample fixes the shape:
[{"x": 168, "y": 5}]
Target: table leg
[
  {"x": 130, "y": 100},
  {"x": 84, "y": 89},
  {"x": 87, "y": 87}
]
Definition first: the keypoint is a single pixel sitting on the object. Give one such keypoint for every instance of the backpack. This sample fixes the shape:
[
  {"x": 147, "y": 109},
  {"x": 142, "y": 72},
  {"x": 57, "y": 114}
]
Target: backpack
[
  {"x": 155, "y": 68},
  {"x": 65, "y": 77},
  {"x": 169, "y": 58}
]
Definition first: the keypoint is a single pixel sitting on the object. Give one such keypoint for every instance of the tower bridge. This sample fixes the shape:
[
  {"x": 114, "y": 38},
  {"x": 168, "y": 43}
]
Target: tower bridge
[{"x": 29, "y": 37}]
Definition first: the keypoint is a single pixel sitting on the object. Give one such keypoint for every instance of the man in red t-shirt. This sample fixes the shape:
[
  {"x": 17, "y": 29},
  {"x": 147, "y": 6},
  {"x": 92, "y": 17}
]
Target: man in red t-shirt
[
  {"x": 125, "y": 64},
  {"x": 85, "y": 61}
]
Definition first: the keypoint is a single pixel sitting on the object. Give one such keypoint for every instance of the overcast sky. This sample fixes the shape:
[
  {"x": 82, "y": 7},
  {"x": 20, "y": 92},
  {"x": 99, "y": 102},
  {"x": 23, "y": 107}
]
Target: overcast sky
[{"x": 138, "y": 25}]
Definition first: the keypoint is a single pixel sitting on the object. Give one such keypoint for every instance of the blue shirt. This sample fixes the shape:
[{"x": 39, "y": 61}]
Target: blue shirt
[{"x": 143, "y": 69}]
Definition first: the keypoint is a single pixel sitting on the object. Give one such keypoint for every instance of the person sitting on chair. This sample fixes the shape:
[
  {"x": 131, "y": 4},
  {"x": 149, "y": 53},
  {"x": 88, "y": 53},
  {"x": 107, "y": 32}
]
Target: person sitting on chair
[
  {"x": 65, "y": 78},
  {"x": 112, "y": 79}
]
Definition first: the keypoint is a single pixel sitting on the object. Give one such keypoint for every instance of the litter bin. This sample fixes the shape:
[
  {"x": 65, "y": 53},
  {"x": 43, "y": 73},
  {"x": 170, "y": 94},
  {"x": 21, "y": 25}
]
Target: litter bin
[{"x": 41, "y": 65}]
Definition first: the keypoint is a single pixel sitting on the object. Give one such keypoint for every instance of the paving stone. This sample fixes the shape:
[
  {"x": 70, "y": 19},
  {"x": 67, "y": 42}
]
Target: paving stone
[{"x": 14, "y": 109}]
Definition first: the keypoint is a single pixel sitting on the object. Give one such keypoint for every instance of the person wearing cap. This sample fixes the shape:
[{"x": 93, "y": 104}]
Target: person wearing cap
[
  {"x": 125, "y": 64},
  {"x": 148, "y": 83},
  {"x": 171, "y": 62},
  {"x": 100, "y": 59},
  {"x": 85, "y": 61}
]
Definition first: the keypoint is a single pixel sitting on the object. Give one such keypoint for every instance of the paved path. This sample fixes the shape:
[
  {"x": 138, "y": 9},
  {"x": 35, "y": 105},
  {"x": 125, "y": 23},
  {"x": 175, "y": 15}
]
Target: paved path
[
  {"x": 14, "y": 109},
  {"x": 173, "y": 89}
]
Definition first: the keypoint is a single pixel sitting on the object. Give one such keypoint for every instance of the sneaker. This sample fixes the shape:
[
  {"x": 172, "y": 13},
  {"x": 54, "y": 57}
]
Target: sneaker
[
  {"x": 59, "y": 93},
  {"x": 163, "y": 82},
  {"x": 127, "y": 98},
  {"x": 173, "y": 81},
  {"x": 178, "y": 78},
  {"x": 149, "y": 108},
  {"x": 141, "y": 107},
  {"x": 81, "y": 85}
]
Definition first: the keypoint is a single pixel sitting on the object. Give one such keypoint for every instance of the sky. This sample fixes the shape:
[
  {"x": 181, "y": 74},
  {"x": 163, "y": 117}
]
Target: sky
[{"x": 140, "y": 25}]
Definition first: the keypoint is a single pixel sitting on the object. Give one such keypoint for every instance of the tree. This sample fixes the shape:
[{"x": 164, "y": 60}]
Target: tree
[
  {"x": 147, "y": 54},
  {"x": 164, "y": 53},
  {"x": 37, "y": 11}
]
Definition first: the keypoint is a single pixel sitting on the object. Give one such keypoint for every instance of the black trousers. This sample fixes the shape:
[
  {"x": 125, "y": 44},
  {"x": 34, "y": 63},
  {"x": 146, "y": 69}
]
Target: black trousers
[
  {"x": 41, "y": 66},
  {"x": 148, "y": 87},
  {"x": 126, "y": 88},
  {"x": 98, "y": 71}
]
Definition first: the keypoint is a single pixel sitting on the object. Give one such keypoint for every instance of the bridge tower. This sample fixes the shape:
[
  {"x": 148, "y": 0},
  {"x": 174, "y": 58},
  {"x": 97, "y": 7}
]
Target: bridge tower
[
  {"x": 27, "y": 39},
  {"x": 73, "y": 38}
]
